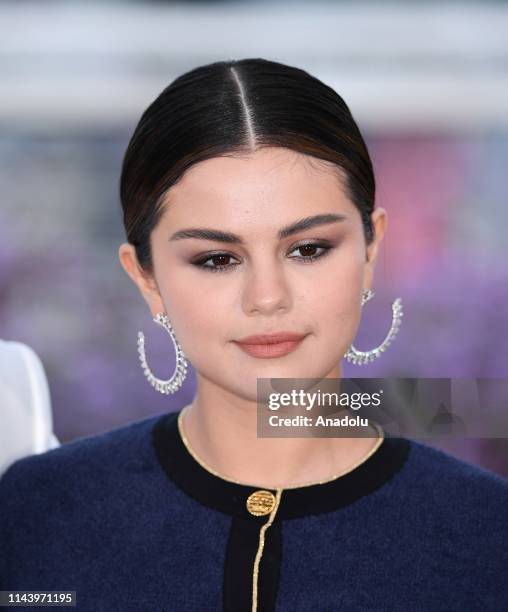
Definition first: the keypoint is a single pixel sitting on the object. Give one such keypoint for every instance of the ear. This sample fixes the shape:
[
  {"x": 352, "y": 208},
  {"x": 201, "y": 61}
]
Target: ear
[
  {"x": 144, "y": 281},
  {"x": 379, "y": 220}
]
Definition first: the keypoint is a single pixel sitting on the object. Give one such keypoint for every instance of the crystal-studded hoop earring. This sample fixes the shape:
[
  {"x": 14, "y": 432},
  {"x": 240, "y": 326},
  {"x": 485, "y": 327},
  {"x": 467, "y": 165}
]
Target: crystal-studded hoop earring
[
  {"x": 175, "y": 382},
  {"x": 362, "y": 357}
]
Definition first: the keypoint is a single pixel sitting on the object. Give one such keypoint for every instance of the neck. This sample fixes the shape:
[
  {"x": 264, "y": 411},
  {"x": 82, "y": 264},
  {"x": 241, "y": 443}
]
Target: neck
[{"x": 222, "y": 435}]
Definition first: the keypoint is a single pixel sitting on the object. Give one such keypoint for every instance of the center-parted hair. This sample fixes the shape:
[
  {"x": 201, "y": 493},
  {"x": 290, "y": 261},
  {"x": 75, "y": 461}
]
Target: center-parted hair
[{"x": 232, "y": 108}]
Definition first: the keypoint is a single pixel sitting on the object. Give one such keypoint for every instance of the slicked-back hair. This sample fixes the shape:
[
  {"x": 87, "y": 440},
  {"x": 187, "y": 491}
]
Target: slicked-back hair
[{"x": 233, "y": 108}]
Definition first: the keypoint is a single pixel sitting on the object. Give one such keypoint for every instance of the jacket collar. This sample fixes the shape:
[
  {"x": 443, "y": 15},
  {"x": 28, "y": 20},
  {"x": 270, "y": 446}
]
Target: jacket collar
[{"x": 230, "y": 498}]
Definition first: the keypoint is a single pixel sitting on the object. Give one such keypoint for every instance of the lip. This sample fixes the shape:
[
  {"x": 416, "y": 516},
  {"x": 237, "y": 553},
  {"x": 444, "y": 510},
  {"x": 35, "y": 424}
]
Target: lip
[
  {"x": 267, "y": 346},
  {"x": 274, "y": 338}
]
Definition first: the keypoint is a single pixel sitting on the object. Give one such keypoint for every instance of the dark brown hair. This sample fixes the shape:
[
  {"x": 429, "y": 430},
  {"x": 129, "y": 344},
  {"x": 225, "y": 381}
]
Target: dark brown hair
[{"x": 231, "y": 108}]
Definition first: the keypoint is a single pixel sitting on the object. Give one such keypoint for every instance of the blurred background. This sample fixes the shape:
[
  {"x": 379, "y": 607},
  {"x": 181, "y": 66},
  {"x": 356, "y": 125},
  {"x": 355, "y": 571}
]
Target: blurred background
[{"x": 427, "y": 84}]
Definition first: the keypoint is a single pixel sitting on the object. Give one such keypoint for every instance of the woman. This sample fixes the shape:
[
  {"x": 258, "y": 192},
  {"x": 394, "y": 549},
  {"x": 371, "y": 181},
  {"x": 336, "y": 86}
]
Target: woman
[{"x": 239, "y": 175}]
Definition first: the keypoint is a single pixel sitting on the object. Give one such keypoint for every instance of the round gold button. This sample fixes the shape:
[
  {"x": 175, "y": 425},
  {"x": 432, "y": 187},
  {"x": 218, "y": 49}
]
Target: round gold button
[{"x": 260, "y": 503}]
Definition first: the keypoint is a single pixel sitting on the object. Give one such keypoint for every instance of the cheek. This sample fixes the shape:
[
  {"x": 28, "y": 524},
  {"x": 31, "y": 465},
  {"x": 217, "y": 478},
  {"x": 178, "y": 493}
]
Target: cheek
[
  {"x": 199, "y": 318},
  {"x": 338, "y": 286},
  {"x": 334, "y": 304}
]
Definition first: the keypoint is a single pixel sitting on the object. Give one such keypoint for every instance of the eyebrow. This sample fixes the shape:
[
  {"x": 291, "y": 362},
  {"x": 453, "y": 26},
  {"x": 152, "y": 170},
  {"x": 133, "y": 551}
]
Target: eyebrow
[{"x": 230, "y": 238}]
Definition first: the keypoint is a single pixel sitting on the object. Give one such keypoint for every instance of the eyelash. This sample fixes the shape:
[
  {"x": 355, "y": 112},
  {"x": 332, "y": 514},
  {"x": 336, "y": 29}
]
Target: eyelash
[{"x": 225, "y": 268}]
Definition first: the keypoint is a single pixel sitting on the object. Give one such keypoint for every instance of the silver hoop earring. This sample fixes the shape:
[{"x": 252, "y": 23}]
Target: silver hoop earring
[
  {"x": 362, "y": 357},
  {"x": 175, "y": 382}
]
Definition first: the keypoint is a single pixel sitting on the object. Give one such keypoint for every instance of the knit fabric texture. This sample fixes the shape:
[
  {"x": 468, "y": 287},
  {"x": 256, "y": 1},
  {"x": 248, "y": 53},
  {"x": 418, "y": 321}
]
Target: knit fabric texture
[{"x": 99, "y": 516}]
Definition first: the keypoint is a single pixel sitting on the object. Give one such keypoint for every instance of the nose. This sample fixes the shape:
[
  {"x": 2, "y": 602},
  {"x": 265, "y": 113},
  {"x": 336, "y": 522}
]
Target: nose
[{"x": 266, "y": 289}]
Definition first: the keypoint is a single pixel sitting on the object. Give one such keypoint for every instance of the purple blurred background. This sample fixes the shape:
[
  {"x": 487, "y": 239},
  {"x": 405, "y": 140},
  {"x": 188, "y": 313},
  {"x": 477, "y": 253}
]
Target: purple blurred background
[{"x": 63, "y": 292}]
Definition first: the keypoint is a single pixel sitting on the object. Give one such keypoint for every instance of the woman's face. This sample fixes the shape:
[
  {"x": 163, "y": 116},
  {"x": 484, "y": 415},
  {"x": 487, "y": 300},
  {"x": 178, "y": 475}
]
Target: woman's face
[{"x": 216, "y": 292}]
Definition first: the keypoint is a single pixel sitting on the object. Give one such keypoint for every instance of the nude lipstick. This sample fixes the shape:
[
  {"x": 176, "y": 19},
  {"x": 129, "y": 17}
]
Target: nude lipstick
[{"x": 267, "y": 346}]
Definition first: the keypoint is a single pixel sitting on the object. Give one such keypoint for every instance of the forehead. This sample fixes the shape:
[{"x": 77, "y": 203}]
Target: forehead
[{"x": 270, "y": 184}]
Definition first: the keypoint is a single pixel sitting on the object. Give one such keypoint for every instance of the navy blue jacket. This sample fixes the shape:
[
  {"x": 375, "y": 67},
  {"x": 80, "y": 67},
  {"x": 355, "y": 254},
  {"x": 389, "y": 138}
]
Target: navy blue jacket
[{"x": 131, "y": 521}]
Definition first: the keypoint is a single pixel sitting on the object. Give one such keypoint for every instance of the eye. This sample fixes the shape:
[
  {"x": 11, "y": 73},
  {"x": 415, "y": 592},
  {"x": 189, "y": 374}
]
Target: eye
[
  {"x": 220, "y": 260},
  {"x": 309, "y": 251}
]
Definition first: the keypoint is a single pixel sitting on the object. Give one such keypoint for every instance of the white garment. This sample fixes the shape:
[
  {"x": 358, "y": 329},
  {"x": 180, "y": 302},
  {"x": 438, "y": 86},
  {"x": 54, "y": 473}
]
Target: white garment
[{"x": 26, "y": 423}]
